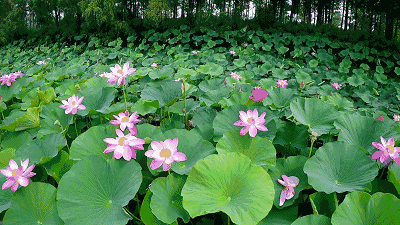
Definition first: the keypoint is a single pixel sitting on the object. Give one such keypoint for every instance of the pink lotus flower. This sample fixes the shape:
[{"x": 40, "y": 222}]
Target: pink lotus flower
[
  {"x": 194, "y": 53},
  {"x": 379, "y": 118},
  {"x": 16, "y": 74},
  {"x": 7, "y": 79},
  {"x": 251, "y": 122},
  {"x": 245, "y": 45},
  {"x": 154, "y": 65},
  {"x": 396, "y": 117},
  {"x": 236, "y": 76},
  {"x": 240, "y": 90},
  {"x": 258, "y": 94},
  {"x": 123, "y": 145},
  {"x": 17, "y": 175},
  {"x": 386, "y": 150},
  {"x": 164, "y": 152},
  {"x": 190, "y": 123},
  {"x": 302, "y": 84},
  {"x": 337, "y": 86},
  {"x": 252, "y": 48},
  {"x": 326, "y": 69},
  {"x": 124, "y": 121},
  {"x": 366, "y": 69},
  {"x": 232, "y": 52},
  {"x": 42, "y": 62},
  {"x": 312, "y": 53},
  {"x": 73, "y": 104},
  {"x": 288, "y": 192},
  {"x": 282, "y": 83},
  {"x": 120, "y": 73}
]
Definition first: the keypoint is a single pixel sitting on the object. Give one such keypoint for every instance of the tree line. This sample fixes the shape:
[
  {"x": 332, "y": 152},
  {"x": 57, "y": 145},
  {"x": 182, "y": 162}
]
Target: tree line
[{"x": 20, "y": 18}]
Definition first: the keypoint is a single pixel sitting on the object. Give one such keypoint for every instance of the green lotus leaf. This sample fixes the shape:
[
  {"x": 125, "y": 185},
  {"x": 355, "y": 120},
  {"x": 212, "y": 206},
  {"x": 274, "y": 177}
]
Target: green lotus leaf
[
  {"x": 292, "y": 134},
  {"x": 34, "y": 204},
  {"x": 219, "y": 57},
  {"x": 225, "y": 119},
  {"x": 97, "y": 98},
  {"x": 166, "y": 93},
  {"x": 190, "y": 143},
  {"x": 261, "y": 151},
  {"x": 323, "y": 203},
  {"x": 211, "y": 69},
  {"x": 394, "y": 177},
  {"x": 212, "y": 97},
  {"x": 5, "y": 156},
  {"x": 164, "y": 72},
  {"x": 54, "y": 116},
  {"x": 15, "y": 139},
  {"x": 356, "y": 80},
  {"x": 183, "y": 72},
  {"x": 143, "y": 109},
  {"x": 237, "y": 98},
  {"x": 239, "y": 63},
  {"x": 292, "y": 166},
  {"x": 362, "y": 208},
  {"x": 361, "y": 131},
  {"x": 397, "y": 71},
  {"x": 202, "y": 122},
  {"x": 19, "y": 120},
  {"x": 5, "y": 195},
  {"x": 41, "y": 150},
  {"x": 91, "y": 143},
  {"x": 313, "y": 220},
  {"x": 280, "y": 97},
  {"x": 229, "y": 183},
  {"x": 340, "y": 167},
  {"x": 313, "y": 63},
  {"x": 277, "y": 216},
  {"x": 315, "y": 113},
  {"x": 381, "y": 78},
  {"x": 211, "y": 85},
  {"x": 303, "y": 75},
  {"x": 146, "y": 214},
  {"x": 191, "y": 105},
  {"x": 340, "y": 102},
  {"x": 166, "y": 202},
  {"x": 94, "y": 191},
  {"x": 58, "y": 165},
  {"x": 7, "y": 92}
]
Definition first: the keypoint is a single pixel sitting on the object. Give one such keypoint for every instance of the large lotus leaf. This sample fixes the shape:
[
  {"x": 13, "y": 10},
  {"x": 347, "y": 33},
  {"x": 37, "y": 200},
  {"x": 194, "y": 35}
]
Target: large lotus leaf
[
  {"x": 277, "y": 216},
  {"x": 261, "y": 151},
  {"x": 292, "y": 134},
  {"x": 279, "y": 97},
  {"x": 313, "y": 219},
  {"x": 323, "y": 203},
  {"x": 315, "y": 113},
  {"x": 165, "y": 72},
  {"x": 164, "y": 94},
  {"x": 143, "y": 109},
  {"x": 292, "y": 166},
  {"x": 362, "y": 208},
  {"x": 5, "y": 156},
  {"x": 97, "y": 98},
  {"x": 212, "y": 97},
  {"x": 58, "y": 165},
  {"x": 361, "y": 131},
  {"x": 340, "y": 167},
  {"x": 211, "y": 69},
  {"x": 5, "y": 195},
  {"x": 41, "y": 150},
  {"x": 237, "y": 98},
  {"x": 184, "y": 72},
  {"x": 178, "y": 107},
  {"x": 34, "y": 204},
  {"x": 91, "y": 142},
  {"x": 19, "y": 120},
  {"x": 229, "y": 183},
  {"x": 303, "y": 75},
  {"x": 211, "y": 85},
  {"x": 15, "y": 139},
  {"x": 394, "y": 176},
  {"x": 146, "y": 214},
  {"x": 54, "y": 116},
  {"x": 46, "y": 96},
  {"x": 225, "y": 119},
  {"x": 7, "y": 92},
  {"x": 190, "y": 143},
  {"x": 166, "y": 202},
  {"x": 94, "y": 191},
  {"x": 202, "y": 122},
  {"x": 340, "y": 102}
]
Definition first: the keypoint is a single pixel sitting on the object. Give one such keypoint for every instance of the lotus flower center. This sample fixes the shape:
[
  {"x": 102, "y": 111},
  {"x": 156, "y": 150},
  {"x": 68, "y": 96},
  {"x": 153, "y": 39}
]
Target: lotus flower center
[
  {"x": 121, "y": 141},
  {"x": 250, "y": 120},
  {"x": 14, "y": 173},
  {"x": 125, "y": 119},
  {"x": 165, "y": 152},
  {"x": 73, "y": 103},
  {"x": 391, "y": 148},
  {"x": 119, "y": 71}
]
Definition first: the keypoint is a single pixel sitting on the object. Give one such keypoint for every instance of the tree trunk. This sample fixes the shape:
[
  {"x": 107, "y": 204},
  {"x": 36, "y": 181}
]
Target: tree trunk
[
  {"x": 389, "y": 23},
  {"x": 356, "y": 16},
  {"x": 343, "y": 6},
  {"x": 346, "y": 15},
  {"x": 320, "y": 12}
]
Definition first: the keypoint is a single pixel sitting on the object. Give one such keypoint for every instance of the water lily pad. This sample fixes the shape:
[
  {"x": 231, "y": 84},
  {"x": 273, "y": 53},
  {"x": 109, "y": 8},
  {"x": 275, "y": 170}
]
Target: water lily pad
[
  {"x": 261, "y": 151},
  {"x": 34, "y": 204},
  {"x": 361, "y": 131},
  {"x": 166, "y": 202},
  {"x": 237, "y": 187},
  {"x": 340, "y": 167},
  {"x": 315, "y": 113},
  {"x": 94, "y": 191},
  {"x": 362, "y": 208}
]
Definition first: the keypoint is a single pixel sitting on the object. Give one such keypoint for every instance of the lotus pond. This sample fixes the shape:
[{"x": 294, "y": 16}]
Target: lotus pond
[{"x": 242, "y": 127}]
